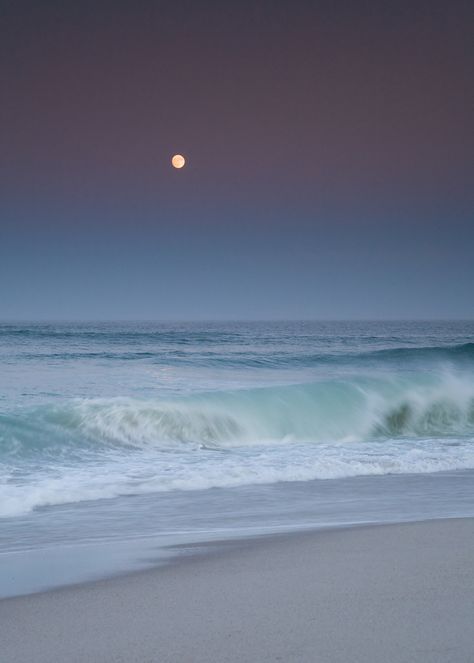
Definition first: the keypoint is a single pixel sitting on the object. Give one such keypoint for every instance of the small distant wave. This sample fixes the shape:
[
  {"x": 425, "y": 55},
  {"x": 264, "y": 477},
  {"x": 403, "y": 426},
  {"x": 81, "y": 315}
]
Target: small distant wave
[{"x": 459, "y": 351}]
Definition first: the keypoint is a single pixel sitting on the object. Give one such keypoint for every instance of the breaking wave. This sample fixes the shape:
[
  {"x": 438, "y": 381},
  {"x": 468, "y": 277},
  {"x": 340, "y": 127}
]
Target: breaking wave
[
  {"x": 99, "y": 448},
  {"x": 330, "y": 411}
]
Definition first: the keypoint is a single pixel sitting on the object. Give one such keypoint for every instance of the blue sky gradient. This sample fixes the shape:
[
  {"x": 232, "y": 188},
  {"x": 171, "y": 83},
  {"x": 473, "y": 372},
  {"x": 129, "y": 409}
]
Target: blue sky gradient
[{"x": 329, "y": 152}]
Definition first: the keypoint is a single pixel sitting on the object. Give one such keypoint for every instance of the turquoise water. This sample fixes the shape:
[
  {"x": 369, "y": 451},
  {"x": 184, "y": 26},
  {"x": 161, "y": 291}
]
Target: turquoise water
[{"x": 138, "y": 430}]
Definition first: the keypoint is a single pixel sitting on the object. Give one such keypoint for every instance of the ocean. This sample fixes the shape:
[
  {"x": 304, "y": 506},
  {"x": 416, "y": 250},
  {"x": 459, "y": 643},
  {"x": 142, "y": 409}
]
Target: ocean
[{"x": 121, "y": 440}]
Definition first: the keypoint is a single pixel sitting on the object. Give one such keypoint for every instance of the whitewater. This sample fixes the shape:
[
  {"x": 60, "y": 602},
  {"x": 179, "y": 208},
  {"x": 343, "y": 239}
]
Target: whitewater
[{"x": 229, "y": 425}]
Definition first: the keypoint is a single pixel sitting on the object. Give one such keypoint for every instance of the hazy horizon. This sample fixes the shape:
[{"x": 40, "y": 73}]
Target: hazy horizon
[{"x": 7, "y": 321}]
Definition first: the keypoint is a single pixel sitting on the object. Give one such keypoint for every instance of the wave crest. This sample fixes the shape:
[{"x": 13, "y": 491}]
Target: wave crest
[{"x": 329, "y": 412}]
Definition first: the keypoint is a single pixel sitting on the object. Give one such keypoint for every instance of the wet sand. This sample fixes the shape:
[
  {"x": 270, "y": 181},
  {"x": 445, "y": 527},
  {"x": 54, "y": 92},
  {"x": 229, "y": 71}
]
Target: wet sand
[{"x": 388, "y": 593}]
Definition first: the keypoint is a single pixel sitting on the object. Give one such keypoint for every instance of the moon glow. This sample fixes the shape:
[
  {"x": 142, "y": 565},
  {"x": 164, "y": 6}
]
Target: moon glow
[{"x": 178, "y": 161}]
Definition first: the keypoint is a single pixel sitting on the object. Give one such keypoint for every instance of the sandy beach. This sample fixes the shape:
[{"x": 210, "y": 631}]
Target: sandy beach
[{"x": 392, "y": 593}]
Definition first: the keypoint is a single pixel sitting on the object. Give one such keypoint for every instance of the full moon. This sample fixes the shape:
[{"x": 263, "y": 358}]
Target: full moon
[{"x": 178, "y": 161}]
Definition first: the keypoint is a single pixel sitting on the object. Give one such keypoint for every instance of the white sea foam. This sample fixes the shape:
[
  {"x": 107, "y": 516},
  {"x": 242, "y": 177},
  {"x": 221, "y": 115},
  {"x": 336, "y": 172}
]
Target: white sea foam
[{"x": 147, "y": 472}]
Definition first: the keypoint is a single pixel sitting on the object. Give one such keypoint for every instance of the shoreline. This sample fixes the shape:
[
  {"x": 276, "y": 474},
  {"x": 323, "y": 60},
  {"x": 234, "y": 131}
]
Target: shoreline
[
  {"x": 348, "y": 593},
  {"x": 49, "y": 549}
]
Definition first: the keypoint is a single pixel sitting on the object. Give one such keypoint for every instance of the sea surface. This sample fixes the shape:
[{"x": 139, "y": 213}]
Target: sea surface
[{"x": 120, "y": 439}]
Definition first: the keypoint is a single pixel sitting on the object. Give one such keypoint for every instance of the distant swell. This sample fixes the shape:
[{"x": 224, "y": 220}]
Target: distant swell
[
  {"x": 460, "y": 351},
  {"x": 221, "y": 349}
]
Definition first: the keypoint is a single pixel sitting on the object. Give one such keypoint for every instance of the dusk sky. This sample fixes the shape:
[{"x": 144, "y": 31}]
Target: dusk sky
[{"x": 329, "y": 147}]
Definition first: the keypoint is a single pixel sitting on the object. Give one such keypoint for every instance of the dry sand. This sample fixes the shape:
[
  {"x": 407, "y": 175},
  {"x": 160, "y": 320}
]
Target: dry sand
[{"x": 381, "y": 594}]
